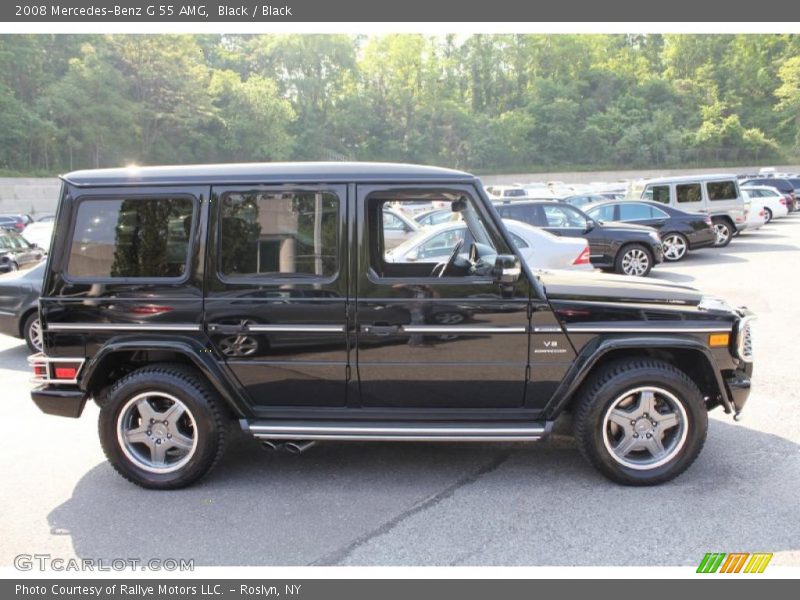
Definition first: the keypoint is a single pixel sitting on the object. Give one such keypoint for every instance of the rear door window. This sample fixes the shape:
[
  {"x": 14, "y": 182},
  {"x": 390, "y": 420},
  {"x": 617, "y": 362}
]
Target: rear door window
[
  {"x": 721, "y": 190},
  {"x": 634, "y": 212},
  {"x": 688, "y": 192},
  {"x": 131, "y": 237}
]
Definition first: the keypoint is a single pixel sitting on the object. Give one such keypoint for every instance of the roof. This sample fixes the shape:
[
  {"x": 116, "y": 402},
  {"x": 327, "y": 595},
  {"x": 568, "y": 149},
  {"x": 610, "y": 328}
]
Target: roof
[
  {"x": 692, "y": 178},
  {"x": 248, "y": 173}
]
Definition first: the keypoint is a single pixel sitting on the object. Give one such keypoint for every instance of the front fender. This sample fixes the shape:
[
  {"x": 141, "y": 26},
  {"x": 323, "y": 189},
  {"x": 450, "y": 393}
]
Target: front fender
[
  {"x": 593, "y": 352},
  {"x": 197, "y": 353}
]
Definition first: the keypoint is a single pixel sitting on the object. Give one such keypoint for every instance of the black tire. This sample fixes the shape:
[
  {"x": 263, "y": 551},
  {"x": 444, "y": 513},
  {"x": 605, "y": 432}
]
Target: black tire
[
  {"x": 627, "y": 253},
  {"x": 679, "y": 244},
  {"x": 724, "y": 230},
  {"x": 202, "y": 405},
  {"x": 604, "y": 389},
  {"x": 768, "y": 215},
  {"x": 34, "y": 342}
]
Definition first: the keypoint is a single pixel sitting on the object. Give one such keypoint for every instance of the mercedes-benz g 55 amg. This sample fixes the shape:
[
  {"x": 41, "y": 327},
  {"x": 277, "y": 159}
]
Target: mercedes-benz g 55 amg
[{"x": 184, "y": 299}]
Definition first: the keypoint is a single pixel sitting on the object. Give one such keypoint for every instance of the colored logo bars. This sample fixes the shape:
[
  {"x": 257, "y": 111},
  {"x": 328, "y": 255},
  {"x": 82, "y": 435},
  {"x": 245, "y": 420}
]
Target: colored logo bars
[{"x": 736, "y": 562}]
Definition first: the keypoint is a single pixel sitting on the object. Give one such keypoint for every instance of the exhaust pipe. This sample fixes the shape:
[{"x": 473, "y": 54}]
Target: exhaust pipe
[
  {"x": 270, "y": 445},
  {"x": 298, "y": 447}
]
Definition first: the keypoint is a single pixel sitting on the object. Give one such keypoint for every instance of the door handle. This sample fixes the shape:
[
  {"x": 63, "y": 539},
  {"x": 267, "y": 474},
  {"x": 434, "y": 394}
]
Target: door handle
[
  {"x": 380, "y": 329},
  {"x": 226, "y": 329}
]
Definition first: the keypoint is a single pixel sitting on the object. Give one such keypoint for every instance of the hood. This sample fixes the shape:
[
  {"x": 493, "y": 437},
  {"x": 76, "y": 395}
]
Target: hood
[{"x": 572, "y": 285}]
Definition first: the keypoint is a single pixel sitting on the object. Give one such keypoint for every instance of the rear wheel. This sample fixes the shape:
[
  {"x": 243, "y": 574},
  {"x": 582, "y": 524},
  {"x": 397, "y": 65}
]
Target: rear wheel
[
  {"x": 162, "y": 427},
  {"x": 724, "y": 231},
  {"x": 634, "y": 259},
  {"x": 32, "y": 330},
  {"x": 675, "y": 246},
  {"x": 767, "y": 215},
  {"x": 640, "y": 421}
]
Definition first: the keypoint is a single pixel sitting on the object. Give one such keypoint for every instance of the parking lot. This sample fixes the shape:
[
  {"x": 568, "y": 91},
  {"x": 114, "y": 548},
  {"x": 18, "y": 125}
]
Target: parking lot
[{"x": 437, "y": 504}]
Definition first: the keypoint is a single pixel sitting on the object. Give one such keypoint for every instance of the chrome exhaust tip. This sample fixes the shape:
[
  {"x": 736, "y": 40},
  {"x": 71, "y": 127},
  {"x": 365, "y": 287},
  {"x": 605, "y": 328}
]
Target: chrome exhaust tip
[
  {"x": 270, "y": 445},
  {"x": 299, "y": 447}
]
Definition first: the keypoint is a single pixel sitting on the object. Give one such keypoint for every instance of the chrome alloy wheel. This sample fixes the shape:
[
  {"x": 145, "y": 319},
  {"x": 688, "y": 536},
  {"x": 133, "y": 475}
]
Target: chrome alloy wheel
[
  {"x": 645, "y": 428},
  {"x": 635, "y": 262},
  {"x": 723, "y": 232},
  {"x": 35, "y": 334},
  {"x": 156, "y": 432},
  {"x": 675, "y": 247}
]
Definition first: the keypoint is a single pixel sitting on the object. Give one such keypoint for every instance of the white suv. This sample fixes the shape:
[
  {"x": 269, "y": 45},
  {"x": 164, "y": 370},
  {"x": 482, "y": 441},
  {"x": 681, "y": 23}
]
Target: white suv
[{"x": 715, "y": 195}]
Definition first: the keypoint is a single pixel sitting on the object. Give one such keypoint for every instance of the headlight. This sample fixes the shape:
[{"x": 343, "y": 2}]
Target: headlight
[
  {"x": 744, "y": 339},
  {"x": 714, "y": 303}
]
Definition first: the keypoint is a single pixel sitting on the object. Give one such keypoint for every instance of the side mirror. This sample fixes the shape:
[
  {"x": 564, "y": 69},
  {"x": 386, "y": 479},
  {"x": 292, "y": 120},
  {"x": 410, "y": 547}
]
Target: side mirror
[
  {"x": 412, "y": 256},
  {"x": 506, "y": 269},
  {"x": 590, "y": 224},
  {"x": 459, "y": 205}
]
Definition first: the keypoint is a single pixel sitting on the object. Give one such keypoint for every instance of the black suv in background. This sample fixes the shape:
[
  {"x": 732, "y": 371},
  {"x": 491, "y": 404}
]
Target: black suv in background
[
  {"x": 184, "y": 299},
  {"x": 625, "y": 248}
]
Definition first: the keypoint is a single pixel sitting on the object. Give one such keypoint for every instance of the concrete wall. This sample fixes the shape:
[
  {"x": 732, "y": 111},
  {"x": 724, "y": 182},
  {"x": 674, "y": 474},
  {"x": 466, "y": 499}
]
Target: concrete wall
[{"x": 29, "y": 194}]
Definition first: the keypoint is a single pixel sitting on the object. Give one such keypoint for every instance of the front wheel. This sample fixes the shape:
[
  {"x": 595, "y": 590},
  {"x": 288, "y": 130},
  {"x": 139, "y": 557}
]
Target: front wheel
[
  {"x": 724, "y": 232},
  {"x": 634, "y": 259},
  {"x": 675, "y": 246},
  {"x": 162, "y": 427},
  {"x": 767, "y": 215},
  {"x": 640, "y": 421}
]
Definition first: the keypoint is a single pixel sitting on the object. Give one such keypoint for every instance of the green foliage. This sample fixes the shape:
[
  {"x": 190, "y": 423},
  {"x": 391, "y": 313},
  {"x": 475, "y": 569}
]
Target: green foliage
[{"x": 485, "y": 102}]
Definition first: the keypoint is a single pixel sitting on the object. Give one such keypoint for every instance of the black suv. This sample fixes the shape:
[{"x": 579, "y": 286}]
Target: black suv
[
  {"x": 183, "y": 299},
  {"x": 625, "y": 248}
]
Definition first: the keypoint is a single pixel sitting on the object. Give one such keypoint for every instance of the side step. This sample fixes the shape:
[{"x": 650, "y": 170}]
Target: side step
[{"x": 397, "y": 431}]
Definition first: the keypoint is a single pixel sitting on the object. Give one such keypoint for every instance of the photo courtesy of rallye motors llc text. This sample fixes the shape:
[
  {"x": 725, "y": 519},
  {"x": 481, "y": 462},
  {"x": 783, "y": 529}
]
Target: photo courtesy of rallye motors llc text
[
  {"x": 154, "y": 10},
  {"x": 145, "y": 591}
]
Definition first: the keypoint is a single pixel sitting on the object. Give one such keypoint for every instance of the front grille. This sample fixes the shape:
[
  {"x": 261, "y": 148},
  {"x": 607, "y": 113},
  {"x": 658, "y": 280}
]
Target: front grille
[{"x": 744, "y": 339}]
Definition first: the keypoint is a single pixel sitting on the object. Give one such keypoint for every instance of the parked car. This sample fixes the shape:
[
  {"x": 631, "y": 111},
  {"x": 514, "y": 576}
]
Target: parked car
[
  {"x": 775, "y": 204},
  {"x": 397, "y": 227},
  {"x": 716, "y": 195},
  {"x": 680, "y": 231},
  {"x": 782, "y": 184},
  {"x": 638, "y": 364},
  {"x": 506, "y": 191},
  {"x": 15, "y": 223},
  {"x": 19, "y": 305},
  {"x": 39, "y": 233},
  {"x": 16, "y": 252},
  {"x": 539, "y": 249},
  {"x": 436, "y": 216},
  {"x": 625, "y": 248},
  {"x": 582, "y": 201},
  {"x": 756, "y": 215}
]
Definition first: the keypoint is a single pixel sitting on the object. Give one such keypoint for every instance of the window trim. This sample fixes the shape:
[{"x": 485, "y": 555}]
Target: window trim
[
  {"x": 190, "y": 246},
  {"x": 271, "y": 278},
  {"x": 479, "y": 203}
]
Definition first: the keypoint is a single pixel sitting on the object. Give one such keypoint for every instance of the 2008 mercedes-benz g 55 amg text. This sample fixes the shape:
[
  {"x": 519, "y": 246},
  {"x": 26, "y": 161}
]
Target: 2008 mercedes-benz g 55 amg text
[{"x": 183, "y": 298}]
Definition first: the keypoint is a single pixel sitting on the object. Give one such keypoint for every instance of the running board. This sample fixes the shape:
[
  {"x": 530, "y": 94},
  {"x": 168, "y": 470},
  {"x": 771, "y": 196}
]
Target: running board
[{"x": 396, "y": 431}]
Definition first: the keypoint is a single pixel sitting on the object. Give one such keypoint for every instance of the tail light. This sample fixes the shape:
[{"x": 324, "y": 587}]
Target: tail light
[
  {"x": 783, "y": 201},
  {"x": 583, "y": 257},
  {"x": 54, "y": 370}
]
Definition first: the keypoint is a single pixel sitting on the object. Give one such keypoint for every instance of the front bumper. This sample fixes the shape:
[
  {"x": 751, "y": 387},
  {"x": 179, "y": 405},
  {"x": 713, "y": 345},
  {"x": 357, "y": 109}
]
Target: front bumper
[
  {"x": 737, "y": 387},
  {"x": 59, "y": 400}
]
